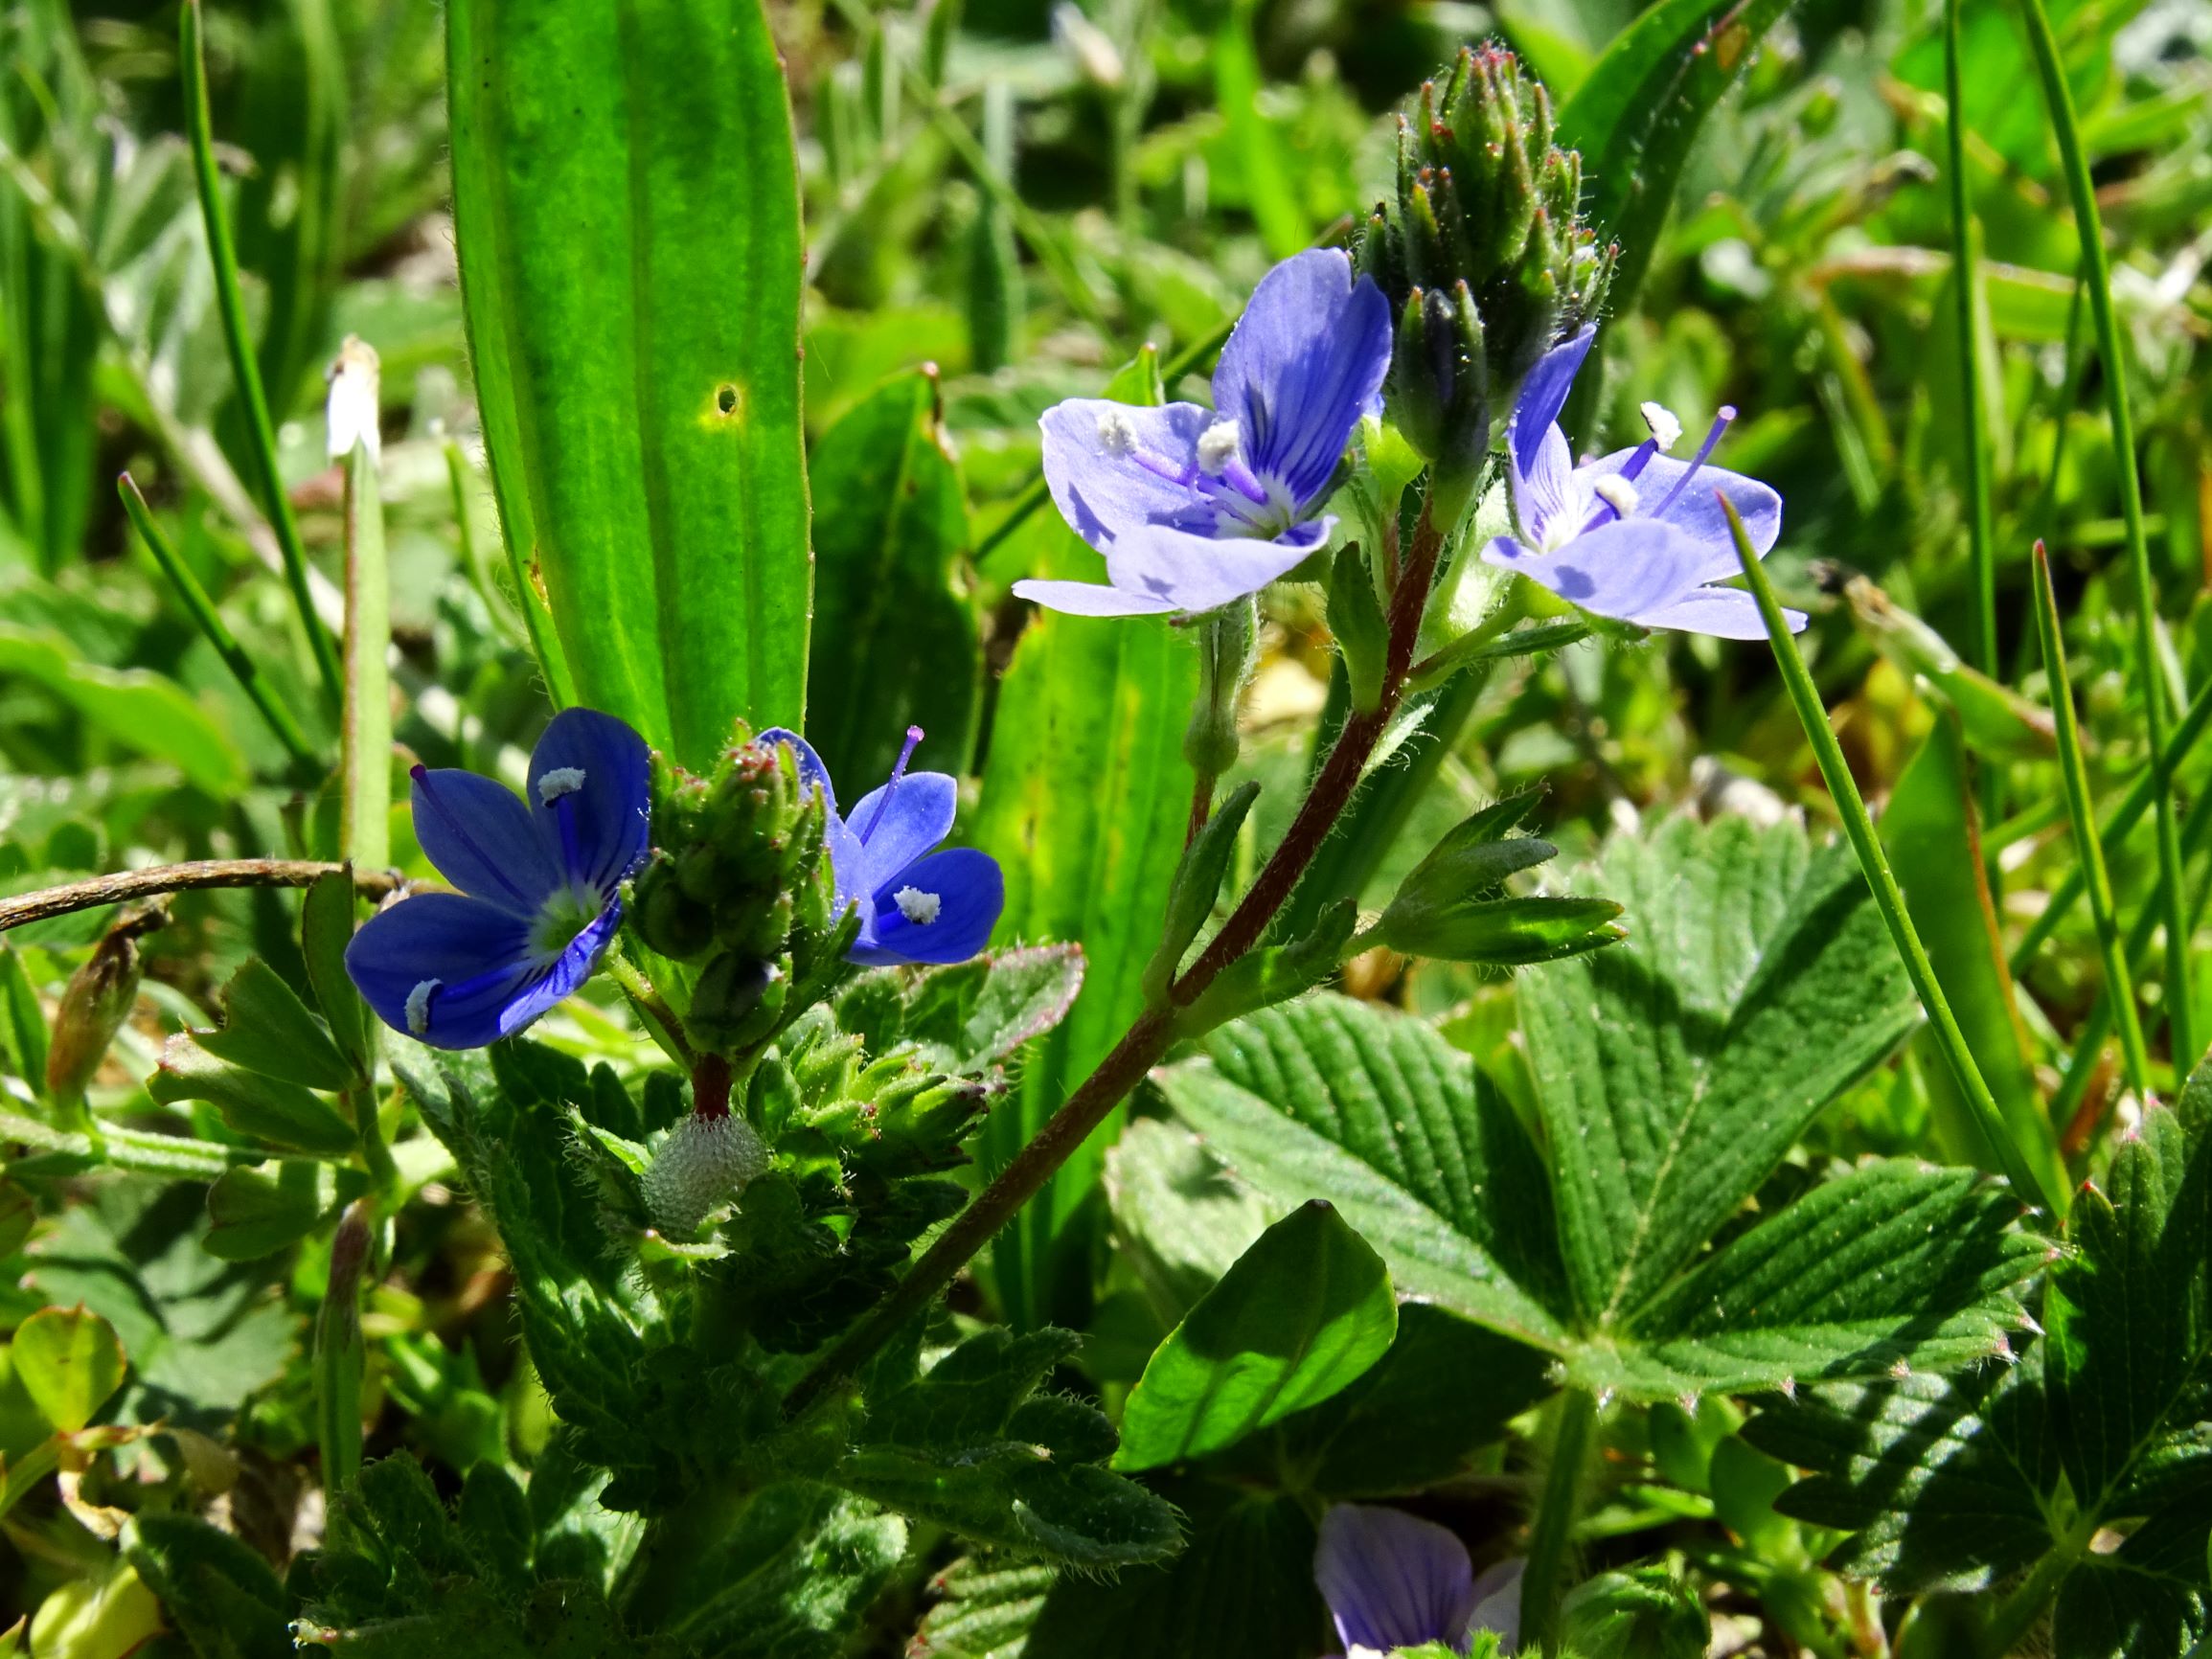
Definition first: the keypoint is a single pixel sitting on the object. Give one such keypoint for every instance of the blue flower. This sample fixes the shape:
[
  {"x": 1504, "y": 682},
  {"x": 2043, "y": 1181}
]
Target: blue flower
[
  {"x": 540, "y": 882},
  {"x": 1634, "y": 535},
  {"x": 1392, "y": 1580},
  {"x": 1194, "y": 507},
  {"x": 916, "y": 905}
]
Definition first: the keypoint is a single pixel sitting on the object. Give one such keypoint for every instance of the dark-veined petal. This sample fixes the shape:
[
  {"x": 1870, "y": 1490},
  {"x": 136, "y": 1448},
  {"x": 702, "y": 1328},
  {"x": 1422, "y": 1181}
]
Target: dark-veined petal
[
  {"x": 559, "y": 979},
  {"x": 1305, "y": 362},
  {"x": 1392, "y": 1580},
  {"x": 916, "y": 818},
  {"x": 590, "y": 793},
  {"x": 1090, "y": 598},
  {"x": 967, "y": 891},
  {"x": 483, "y": 839},
  {"x": 477, "y": 952},
  {"x": 1548, "y": 493},
  {"x": 1542, "y": 396},
  {"x": 1197, "y": 573},
  {"x": 1096, "y": 456},
  {"x": 1698, "y": 512},
  {"x": 1621, "y": 570}
]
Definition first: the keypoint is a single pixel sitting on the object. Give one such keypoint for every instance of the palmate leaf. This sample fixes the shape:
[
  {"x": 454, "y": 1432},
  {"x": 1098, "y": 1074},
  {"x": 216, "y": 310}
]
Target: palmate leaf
[{"x": 2108, "y": 1424}]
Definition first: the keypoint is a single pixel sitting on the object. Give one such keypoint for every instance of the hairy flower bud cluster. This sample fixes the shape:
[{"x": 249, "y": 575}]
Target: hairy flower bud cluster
[
  {"x": 740, "y": 880},
  {"x": 1481, "y": 253}
]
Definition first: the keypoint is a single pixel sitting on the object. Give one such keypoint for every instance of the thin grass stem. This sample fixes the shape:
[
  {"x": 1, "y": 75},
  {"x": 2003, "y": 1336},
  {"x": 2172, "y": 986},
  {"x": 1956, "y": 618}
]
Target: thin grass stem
[
  {"x": 2097, "y": 278},
  {"x": 1851, "y": 807},
  {"x": 1980, "y": 537}
]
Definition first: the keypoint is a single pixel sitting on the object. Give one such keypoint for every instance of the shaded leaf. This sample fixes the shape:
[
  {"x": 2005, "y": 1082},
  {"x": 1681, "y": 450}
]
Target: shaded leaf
[
  {"x": 71, "y": 1363},
  {"x": 267, "y": 1029},
  {"x": 278, "y": 1113}
]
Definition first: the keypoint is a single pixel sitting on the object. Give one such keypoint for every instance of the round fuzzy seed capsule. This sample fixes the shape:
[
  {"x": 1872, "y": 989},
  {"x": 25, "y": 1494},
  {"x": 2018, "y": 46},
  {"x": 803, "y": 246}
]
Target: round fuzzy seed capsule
[{"x": 704, "y": 1163}]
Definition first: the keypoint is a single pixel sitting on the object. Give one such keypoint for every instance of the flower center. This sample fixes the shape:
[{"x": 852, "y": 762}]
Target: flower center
[
  {"x": 917, "y": 907},
  {"x": 564, "y": 915}
]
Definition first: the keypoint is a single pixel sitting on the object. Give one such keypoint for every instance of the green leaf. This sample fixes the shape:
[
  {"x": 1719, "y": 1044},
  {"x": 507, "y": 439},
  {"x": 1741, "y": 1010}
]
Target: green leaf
[
  {"x": 896, "y": 637},
  {"x": 1334, "y": 1099},
  {"x": 1929, "y": 832},
  {"x": 326, "y": 929},
  {"x": 267, "y": 1029},
  {"x": 1638, "y": 113},
  {"x": 1242, "y": 1588},
  {"x": 626, "y": 204},
  {"x": 1643, "y": 1613},
  {"x": 2107, "y": 1611},
  {"x": 70, "y": 1361},
  {"x": 137, "y": 708},
  {"x": 979, "y": 1014},
  {"x": 986, "y": 1609},
  {"x": 1895, "y": 1264},
  {"x": 1302, "y": 1313},
  {"x": 216, "y": 1589},
  {"x": 1674, "y": 1071},
  {"x": 251, "y": 1215},
  {"x": 1085, "y": 797},
  {"x": 274, "y": 1112},
  {"x": 1179, "y": 1221},
  {"x": 23, "y": 1034}
]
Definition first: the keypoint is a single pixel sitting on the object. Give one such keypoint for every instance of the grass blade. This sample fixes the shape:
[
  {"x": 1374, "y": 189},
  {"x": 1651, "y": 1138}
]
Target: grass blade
[
  {"x": 1860, "y": 827},
  {"x": 241, "y": 663},
  {"x": 365, "y": 734},
  {"x": 1971, "y": 343},
  {"x": 245, "y": 366},
  {"x": 2097, "y": 278}
]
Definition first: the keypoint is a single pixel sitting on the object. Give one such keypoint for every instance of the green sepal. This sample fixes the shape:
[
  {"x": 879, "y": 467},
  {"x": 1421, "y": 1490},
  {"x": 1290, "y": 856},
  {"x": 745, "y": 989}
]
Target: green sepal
[
  {"x": 1357, "y": 621},
  {"x": 1196, "y": 885},
  {"x": 1274, "y": 973}
]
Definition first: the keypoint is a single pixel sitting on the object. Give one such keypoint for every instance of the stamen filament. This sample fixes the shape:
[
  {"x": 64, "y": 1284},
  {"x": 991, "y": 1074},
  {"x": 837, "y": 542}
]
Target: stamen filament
[
  {"x": 891, "y": 789},
  {"x": 1720, "y": 425}
]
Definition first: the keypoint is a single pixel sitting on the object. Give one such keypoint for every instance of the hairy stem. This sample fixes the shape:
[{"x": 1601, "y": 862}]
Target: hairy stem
[
  {"x": 1143, "y": 1044},
  {"x": 205, "y": 872},
  {"x": 1549, "y": 1537}
]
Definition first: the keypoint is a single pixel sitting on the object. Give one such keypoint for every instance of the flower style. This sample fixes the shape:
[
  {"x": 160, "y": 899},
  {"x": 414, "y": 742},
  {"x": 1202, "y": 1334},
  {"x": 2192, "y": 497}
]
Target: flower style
[
  {"x": 1393, "y": 1581},
  {"x": 541, "y": 888},
  {"x": 916, "y": 905},
  {"x": 1633, "y": 536},
  {"x": 1194, "y": 507}
]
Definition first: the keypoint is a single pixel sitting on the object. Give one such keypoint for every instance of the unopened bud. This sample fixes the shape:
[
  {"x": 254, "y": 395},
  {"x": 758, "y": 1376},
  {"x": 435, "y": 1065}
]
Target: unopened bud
[
  {"x": 704, "y": 1163},
  {"x": 97, "y": 1001}
]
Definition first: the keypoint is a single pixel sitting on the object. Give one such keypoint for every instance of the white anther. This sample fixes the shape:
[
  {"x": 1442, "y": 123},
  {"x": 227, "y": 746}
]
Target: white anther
[
  {"x": 1218, "y": 445},
  {"x": 558, "y": 780},
  {"x": 917, "y": 907},
  {"x": 1117, "y": 432},
  {"x": 1616, "y": 492},
  {"x": 1666, "y": 430},
  {"x": 419, "y": 1006}
]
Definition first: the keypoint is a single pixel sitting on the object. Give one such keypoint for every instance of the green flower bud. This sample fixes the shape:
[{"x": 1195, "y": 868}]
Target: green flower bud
[
  {"x": 1452, "y": 905},
  {"x": 97, "y": 1001}
]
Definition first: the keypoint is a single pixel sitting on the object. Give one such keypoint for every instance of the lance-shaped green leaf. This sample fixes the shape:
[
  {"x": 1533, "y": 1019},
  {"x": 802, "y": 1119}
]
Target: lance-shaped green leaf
[
  {"x": 269, "y": 1109},
  {"x": 896, "y": 636},
  {"x": 326, "y": 929},
  {"x": 626, "y": 204},
  {"x": 1085, "y": 797},
  {"x": 1196, "y": 886},
  {"x": 267, "y": 1029},
  {"x": 1452, "y": 906},
  {"x": 1674, "y": 1071},
  {"x": 1302, "y": 1313},
  {"x": 1334, "y": 1099}
]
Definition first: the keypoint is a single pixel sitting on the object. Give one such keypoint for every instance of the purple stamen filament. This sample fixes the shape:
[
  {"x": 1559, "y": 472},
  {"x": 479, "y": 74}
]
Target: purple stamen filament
[
  {"x": 491, "y": 866},
  {"x": 1711, "y": 438},
  {"x": 1630, "y": 469},
  {"x": 891, "y": 789}
]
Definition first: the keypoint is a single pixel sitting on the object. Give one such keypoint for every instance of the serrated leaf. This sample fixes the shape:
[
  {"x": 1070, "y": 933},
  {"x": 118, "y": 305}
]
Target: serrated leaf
[
  {"x": 1180, "y": 1221},
  {"x": 897, "y": 641},
  {"x": 1299, "y": 1317},
  {"x": 792, "y": 1577},
  {"x": 984, "y": 1611},
  {"x": 216, "y": 1589},
  {"x": 268, "y": 1109},
  {"x": 1011, "y": 1495},
  {"x": 1895, "y": 1264},
  {"x": 71, "y": 1363},
  {"x": 1243, "y": 1588},
  {"x": 1674, "y": 1071},
  {"x": 1375, "y": 1112},
  {"x": 267, "y": 1029}
]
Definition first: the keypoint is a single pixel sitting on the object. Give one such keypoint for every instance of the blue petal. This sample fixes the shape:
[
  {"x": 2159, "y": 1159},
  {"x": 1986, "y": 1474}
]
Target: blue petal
[
  {"x": 1090, "y": 598},
  {"x": 1498, "y": 1603},
  {"x": 1304, "y": 361},
  {"x": 1104, "y": 488},
  {"x": 918, "y": 818},
  {"x": 1542, "y": 396},
  {"x": 811, "y": 767},
  {"x": 600, "y": 830},
  {"x": 1197, "y": 573},
  {"x": 971, "y": 892},
  {"x": 561, "y": 978},
  {"x": 1623, "y": 570},
  {"x": 1549, "y": 491},
  {"x": 479, "y": 952},
  {"x": 1392, "y": 1580},
  {"x": 1726, "y": 613},
  {"x": 483, "y": 839},
  {"x": 1695, "y": 510}
]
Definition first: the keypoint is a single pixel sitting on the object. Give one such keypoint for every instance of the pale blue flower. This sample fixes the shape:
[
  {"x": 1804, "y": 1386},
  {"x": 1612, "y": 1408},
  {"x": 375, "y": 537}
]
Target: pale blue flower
[
  {"x": 1393, "y": 1581},
  {"x": 1194, "y": 507},
  {"x": 1633, "y": 536}
]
